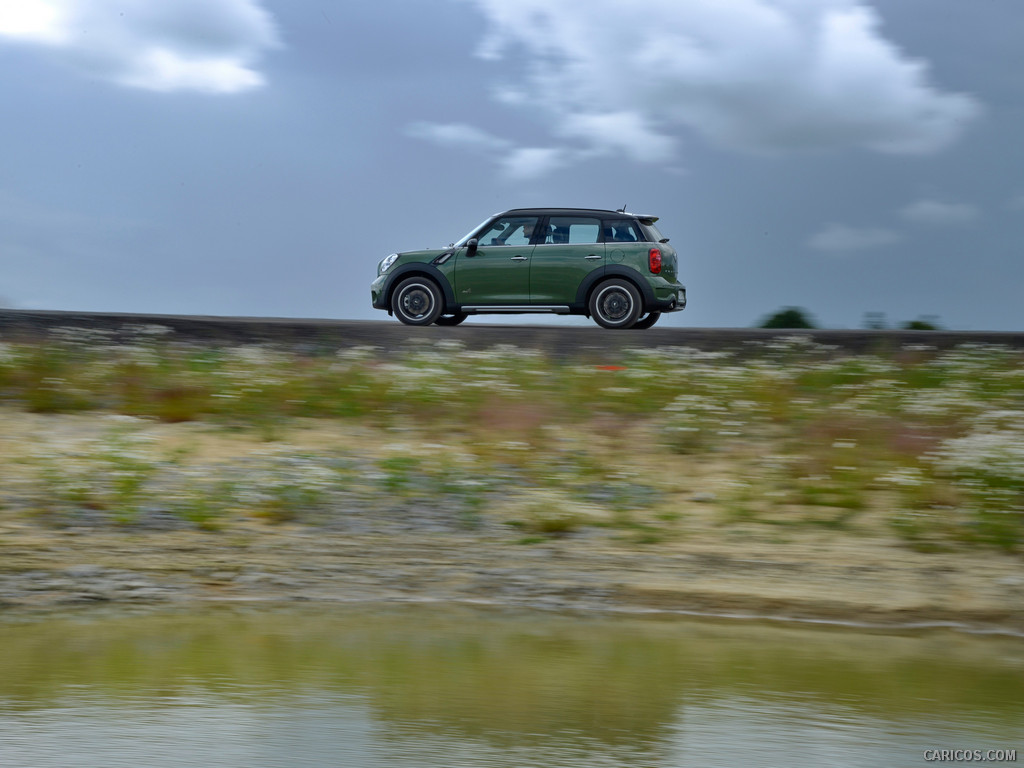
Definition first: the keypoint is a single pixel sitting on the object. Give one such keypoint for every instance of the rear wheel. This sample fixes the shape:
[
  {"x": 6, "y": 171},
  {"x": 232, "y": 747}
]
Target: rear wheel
[
  {"x": 647, "y": 321},
  {"x": 615, "y": 304},
  {"x": 417, "y": 301},
  {"x": 455, "y": 319}
]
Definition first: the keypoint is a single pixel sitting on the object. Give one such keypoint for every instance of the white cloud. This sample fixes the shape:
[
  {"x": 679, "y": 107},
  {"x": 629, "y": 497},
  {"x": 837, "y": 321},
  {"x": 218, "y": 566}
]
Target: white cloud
[
  {"x": 527, "y": 163},
  {"x": 628, "y": 132},
  {"x": 516, "y": 163},
  {"x": 457, "y": 135},
  {"x": 753, "y": 75},
  {"x": 31, "y": 20},
  {"x": 159, "y": 45},
  {"x": 936, "y": 212},
  {"x": 839, "y": 238}
]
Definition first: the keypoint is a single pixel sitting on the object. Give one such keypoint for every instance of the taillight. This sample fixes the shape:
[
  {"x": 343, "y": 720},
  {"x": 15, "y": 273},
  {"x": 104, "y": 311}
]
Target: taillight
[{"x": 654, "y": 261}]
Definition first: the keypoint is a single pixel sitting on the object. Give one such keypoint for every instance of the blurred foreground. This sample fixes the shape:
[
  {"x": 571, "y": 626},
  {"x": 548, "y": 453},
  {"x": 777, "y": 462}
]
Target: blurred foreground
[{"x": 794, "y": 480}]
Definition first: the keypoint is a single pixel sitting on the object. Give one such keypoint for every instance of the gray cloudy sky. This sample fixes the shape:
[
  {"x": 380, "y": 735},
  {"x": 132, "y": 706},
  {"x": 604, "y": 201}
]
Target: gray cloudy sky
[{"x": 258, "y": 157}]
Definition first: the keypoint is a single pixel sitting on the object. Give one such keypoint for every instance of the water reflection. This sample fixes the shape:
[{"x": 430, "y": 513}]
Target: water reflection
[{"x": 445, "y": 687}]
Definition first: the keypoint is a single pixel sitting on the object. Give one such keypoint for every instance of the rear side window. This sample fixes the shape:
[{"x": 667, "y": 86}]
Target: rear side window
[
  {"x": 621, "y": 231},
  {"x": 564, "y": 230}
]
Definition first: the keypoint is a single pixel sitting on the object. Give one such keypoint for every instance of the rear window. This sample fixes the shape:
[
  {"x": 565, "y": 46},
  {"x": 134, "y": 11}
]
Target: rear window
[{"x": 652, "y": 232}]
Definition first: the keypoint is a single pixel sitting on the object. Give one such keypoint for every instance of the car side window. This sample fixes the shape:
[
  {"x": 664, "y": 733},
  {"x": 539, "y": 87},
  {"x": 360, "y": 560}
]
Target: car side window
[
  {"x": 621, "y": 231},
  {"x": 509, "y": 230},
  {"x": 565, "y": 230}
]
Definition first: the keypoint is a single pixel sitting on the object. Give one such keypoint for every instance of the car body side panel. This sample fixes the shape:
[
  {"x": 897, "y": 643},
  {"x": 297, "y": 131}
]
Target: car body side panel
[
  {"x": 556, "y": 271},
  {"x": 495, "y": 274}
]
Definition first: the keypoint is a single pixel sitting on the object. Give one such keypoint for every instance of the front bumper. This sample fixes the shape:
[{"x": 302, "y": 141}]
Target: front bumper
[{"x": 377, "y": 293}]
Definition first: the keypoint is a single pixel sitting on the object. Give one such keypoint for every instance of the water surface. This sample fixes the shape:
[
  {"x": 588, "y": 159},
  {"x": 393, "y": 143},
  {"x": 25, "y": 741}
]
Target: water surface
[{"x": 428, "y": 686}]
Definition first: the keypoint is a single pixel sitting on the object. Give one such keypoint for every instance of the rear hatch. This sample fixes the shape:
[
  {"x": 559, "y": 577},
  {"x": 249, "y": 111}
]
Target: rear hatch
[{"x": 669, "y": 260}]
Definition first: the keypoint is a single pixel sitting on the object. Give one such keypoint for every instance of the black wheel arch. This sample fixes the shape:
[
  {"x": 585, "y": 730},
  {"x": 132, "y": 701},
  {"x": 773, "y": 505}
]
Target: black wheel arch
[
  {"x": 423, "y": 269},
  {"x": 615, "y": 270}
]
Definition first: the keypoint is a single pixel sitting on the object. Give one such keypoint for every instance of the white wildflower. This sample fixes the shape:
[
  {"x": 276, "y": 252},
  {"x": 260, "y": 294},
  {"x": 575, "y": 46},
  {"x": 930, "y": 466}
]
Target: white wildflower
[{"x": 903, "y": 477}]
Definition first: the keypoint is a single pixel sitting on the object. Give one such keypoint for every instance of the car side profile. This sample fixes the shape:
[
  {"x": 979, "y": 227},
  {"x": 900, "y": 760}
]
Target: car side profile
[{"x": 612, "y": 266}]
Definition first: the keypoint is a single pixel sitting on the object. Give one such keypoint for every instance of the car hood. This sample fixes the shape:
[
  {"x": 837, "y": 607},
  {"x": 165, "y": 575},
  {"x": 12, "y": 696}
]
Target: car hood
[{"x": 423, "y": 255}]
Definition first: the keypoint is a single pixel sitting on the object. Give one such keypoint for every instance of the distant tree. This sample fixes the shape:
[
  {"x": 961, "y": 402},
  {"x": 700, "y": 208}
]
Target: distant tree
[
  {"x": 926, "y": 323},
  {"x": 789, "y": 317}
]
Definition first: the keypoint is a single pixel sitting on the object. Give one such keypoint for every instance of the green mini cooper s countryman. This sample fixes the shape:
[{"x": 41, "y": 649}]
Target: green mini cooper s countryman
[{"x": 613, "y": 266}]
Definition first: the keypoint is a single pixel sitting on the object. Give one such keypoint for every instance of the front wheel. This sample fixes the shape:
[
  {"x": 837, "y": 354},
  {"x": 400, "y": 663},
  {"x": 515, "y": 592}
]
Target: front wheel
[
  {"x": 647, "y": 321},
  {"x": 455, "y": 319},
  {"x": 615, "y": 304},
  {"x": 417, "y": 301}
]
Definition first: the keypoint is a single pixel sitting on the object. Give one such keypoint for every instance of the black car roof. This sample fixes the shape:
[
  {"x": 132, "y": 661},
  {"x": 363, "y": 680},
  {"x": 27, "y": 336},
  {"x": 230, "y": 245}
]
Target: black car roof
[{"x": 576, "y": 212}]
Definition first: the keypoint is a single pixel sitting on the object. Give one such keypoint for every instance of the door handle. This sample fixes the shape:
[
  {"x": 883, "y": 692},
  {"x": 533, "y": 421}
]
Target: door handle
[
  {"x": 593, "y": 256},
  {"x": 518, "y": 258}
]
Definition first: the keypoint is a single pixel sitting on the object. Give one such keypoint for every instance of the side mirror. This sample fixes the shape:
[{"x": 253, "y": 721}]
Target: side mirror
[{"x": 471, "y": 246}]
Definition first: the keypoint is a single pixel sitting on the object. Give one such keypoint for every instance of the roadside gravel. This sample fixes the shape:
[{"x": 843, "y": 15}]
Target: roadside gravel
[{"x": 857, "y": 585}]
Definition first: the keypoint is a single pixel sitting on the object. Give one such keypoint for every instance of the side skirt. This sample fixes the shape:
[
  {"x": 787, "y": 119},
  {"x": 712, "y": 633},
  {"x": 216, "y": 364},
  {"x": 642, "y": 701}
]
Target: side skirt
[{"x": 557, "y": 309}]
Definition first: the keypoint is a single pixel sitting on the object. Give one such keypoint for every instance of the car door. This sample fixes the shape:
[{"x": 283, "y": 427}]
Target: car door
[
  {"x": 498, "y": 272},
  {"x": 569, "y": 250}
]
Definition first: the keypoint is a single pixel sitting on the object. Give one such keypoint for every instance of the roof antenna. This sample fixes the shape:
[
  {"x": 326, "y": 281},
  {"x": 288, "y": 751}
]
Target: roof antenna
[{"x": 622, "y": 209}]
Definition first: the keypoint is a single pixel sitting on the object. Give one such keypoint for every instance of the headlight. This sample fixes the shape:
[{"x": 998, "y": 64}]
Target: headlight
[{"x": 385, "y": 265}]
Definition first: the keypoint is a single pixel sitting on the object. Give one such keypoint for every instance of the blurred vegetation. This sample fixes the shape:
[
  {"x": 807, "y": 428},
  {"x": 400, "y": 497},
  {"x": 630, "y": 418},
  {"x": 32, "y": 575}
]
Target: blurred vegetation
[
  {"x": 933, "y": 442},
  {"x": 797, "y": 318},
  {"x": 789, "y": 317},
  {"x": 922, "y": 324},
  {"x": 876, "y": 321}
]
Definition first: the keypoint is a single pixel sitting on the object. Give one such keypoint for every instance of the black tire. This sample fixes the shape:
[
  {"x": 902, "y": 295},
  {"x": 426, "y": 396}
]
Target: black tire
[
  {"x": 417, "y": 301},
  {"x": 616, "y": 304},
  {"x": 647, "y": 321},
  {"x": 455, "y": 319}
]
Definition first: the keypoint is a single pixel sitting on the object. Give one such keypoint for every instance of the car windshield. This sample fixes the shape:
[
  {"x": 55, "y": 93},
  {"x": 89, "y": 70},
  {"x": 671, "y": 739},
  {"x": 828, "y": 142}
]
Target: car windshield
[{"x": 462, "y": 241}]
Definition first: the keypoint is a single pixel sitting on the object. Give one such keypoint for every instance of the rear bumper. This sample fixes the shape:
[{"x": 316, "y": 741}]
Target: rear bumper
[{"x": 668, "y": 299}]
